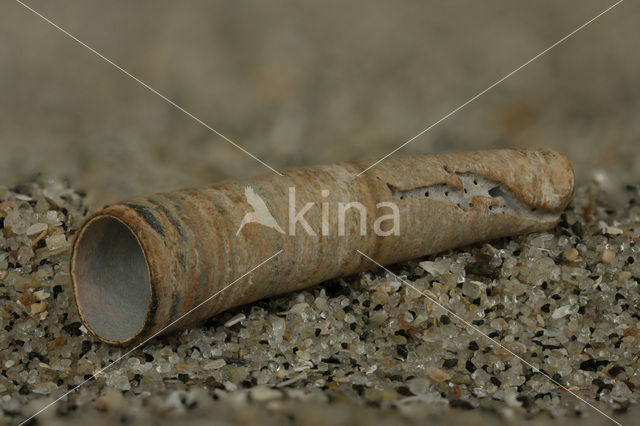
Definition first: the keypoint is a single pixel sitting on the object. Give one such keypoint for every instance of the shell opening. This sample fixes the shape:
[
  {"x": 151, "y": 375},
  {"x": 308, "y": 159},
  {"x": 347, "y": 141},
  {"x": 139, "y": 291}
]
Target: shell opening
[{"x": 111, "y": 279}]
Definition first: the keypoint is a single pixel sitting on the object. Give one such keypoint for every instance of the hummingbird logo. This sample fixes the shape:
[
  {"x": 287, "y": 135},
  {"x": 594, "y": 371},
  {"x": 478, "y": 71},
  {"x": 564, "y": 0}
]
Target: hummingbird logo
[{"x": 260, "y": 213}]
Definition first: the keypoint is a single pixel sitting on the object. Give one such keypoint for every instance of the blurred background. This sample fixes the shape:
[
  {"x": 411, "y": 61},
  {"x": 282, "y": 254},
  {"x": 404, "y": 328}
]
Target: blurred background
[{"x": 299, "y": 83}]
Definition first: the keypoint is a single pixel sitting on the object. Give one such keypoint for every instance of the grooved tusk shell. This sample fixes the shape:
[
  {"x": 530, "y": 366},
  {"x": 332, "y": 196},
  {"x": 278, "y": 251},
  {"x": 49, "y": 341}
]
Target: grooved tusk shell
[{"x": 139, "y": 266}]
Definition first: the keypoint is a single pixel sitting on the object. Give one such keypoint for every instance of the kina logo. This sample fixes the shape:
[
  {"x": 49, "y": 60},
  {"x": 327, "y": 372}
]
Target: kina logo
[{"x": 350, "y": 216}]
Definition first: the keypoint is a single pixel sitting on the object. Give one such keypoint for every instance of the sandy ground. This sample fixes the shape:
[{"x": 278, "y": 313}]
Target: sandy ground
[{"x": 306, "y": 83}]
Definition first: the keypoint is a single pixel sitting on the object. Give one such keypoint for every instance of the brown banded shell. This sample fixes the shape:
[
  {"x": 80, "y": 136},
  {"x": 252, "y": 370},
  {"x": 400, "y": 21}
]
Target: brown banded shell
[{"x": 137, "y": 267}]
